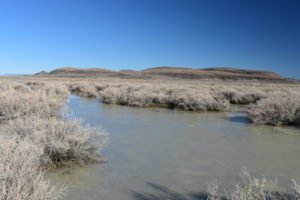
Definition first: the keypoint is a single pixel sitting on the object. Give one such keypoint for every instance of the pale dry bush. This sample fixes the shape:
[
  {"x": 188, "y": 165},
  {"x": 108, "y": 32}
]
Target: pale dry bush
[
  {"x": 203, "y": 95},
  {"x": 32, "y": 114},
  {"x": 145, "y": 92},
  {"x": 276, "y": 110},
  {"x": 251, "y": 188},
  {"x": 40, "y": 139},
  {"x": 63, "y": 141},
  {"x": 56, "y": 90},
  {"x": 21, "y": 99},
  {"x": 157, "y": 95},
  {"x": 21, "y": 176},
  {"x": 14, "y": 104},
  {"x": 242, "y": 97},
  {"x": 83, "y": 89},
  {"x": 296, "y": 187}
]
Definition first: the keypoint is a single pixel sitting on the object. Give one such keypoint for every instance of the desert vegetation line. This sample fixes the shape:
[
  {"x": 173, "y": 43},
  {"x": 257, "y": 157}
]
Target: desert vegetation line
[
  {"x": 268, "y": 103},
  {"x": 35, "y": 137}
]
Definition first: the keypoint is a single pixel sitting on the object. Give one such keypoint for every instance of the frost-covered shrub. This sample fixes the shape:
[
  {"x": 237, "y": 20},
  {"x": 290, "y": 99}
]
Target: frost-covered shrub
[
  {"x": 84, "y": 89},
  {"x": 63, "y": 141},
  {"x": 251, "y": 188},
  {"x": 244, "y": 98},
  {"x": 276, "y": 111},
  {"x": 14, "y": 104},
  {"x": 21, "y": 176},
  {"x": 146, "y": 96}
]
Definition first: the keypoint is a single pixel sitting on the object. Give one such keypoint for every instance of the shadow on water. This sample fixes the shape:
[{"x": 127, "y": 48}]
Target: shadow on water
[
  {"x": 188, "y": 149},
  {"x": 162, "y": 193},
  {"x": 239, "y": 119}
]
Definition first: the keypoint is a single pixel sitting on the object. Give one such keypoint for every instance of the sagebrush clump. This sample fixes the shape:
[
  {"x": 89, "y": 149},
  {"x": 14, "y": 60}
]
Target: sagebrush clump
[
  {"x": 84, "y": 89},
  {"x": 276, "y": 111},
  {"x": 35, "y": 137},
  {"x": 21, "y": 176},
  {"x": 63, "y": 141},
  {"x": 252, "y": 188},
  {"x": 178, "y": 98}
]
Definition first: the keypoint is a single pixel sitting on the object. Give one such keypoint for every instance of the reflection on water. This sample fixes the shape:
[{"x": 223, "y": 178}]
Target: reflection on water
[{"x": 156, "y": 152}]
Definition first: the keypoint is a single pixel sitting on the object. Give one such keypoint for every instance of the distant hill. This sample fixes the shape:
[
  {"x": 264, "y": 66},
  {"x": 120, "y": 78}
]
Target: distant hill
[
  {"x": 293, "y": 80},
  {"x": 214, "y": 73},
  {"x": 42, "y": 73},
  {"x": 70, "y": 71},
  {"x": 169, "y": 72}
]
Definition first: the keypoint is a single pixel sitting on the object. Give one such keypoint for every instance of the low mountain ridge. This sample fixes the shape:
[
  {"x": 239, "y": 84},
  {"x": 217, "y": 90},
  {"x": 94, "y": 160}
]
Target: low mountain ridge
[
  {"x": 71, "y": 71},
  {"x": 170, "y": 72}
]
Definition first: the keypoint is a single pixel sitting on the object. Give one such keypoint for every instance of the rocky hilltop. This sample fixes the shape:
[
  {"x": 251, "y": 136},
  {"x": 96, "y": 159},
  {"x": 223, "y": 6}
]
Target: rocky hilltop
[{"x": 169, "y": 72}]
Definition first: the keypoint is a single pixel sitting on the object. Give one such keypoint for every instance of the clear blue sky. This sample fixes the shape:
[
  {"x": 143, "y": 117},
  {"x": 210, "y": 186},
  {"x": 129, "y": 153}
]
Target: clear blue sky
[{"x": 137, "y": 34}]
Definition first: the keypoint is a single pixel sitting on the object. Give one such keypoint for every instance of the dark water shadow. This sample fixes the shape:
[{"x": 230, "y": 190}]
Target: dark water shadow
[
  {"x": 239, "y": 119},
  {"x": 161, "y": 192}
]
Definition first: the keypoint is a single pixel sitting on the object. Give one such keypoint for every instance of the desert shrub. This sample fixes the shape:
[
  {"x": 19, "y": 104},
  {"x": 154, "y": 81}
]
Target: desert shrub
[
  {"x": 296, "y": 187},
  {"x": 112, "y": 96},
  {"x": 20, "y": 99},
  {"x": 276, "y": 111},
  {"x": 21, "y": 176},
  {"x": 100, "y": 87},
  {"x": 196, "y": 101},
  {"x": 84, "y": 89},
  {"x": 22, "y": 88},
  {"x": 56, "y": 90},
  {"x": 244, "y": 98},
  {"x": 63, "y": 141},
  {"x": 178, "y": 98},
  {"x": 251, "y": 188},
  {"x": 34, "y": 138},
  {"x": 14, "y": 104}
]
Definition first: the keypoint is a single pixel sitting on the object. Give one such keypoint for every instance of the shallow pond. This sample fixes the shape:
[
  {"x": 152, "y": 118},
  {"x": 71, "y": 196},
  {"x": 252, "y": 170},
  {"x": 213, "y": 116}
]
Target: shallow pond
[{"x": 167, "y": 154}]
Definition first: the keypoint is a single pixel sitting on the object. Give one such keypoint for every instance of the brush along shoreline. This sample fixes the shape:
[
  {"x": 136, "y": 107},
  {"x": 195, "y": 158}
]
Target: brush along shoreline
[
  {"x": 35, "y": 138},
  {"x": 267, "y": 103}
]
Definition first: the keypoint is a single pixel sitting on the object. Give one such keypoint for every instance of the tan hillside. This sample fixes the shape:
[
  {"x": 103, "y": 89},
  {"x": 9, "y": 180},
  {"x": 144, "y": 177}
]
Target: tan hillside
[{"x": 170, "y": 72}]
